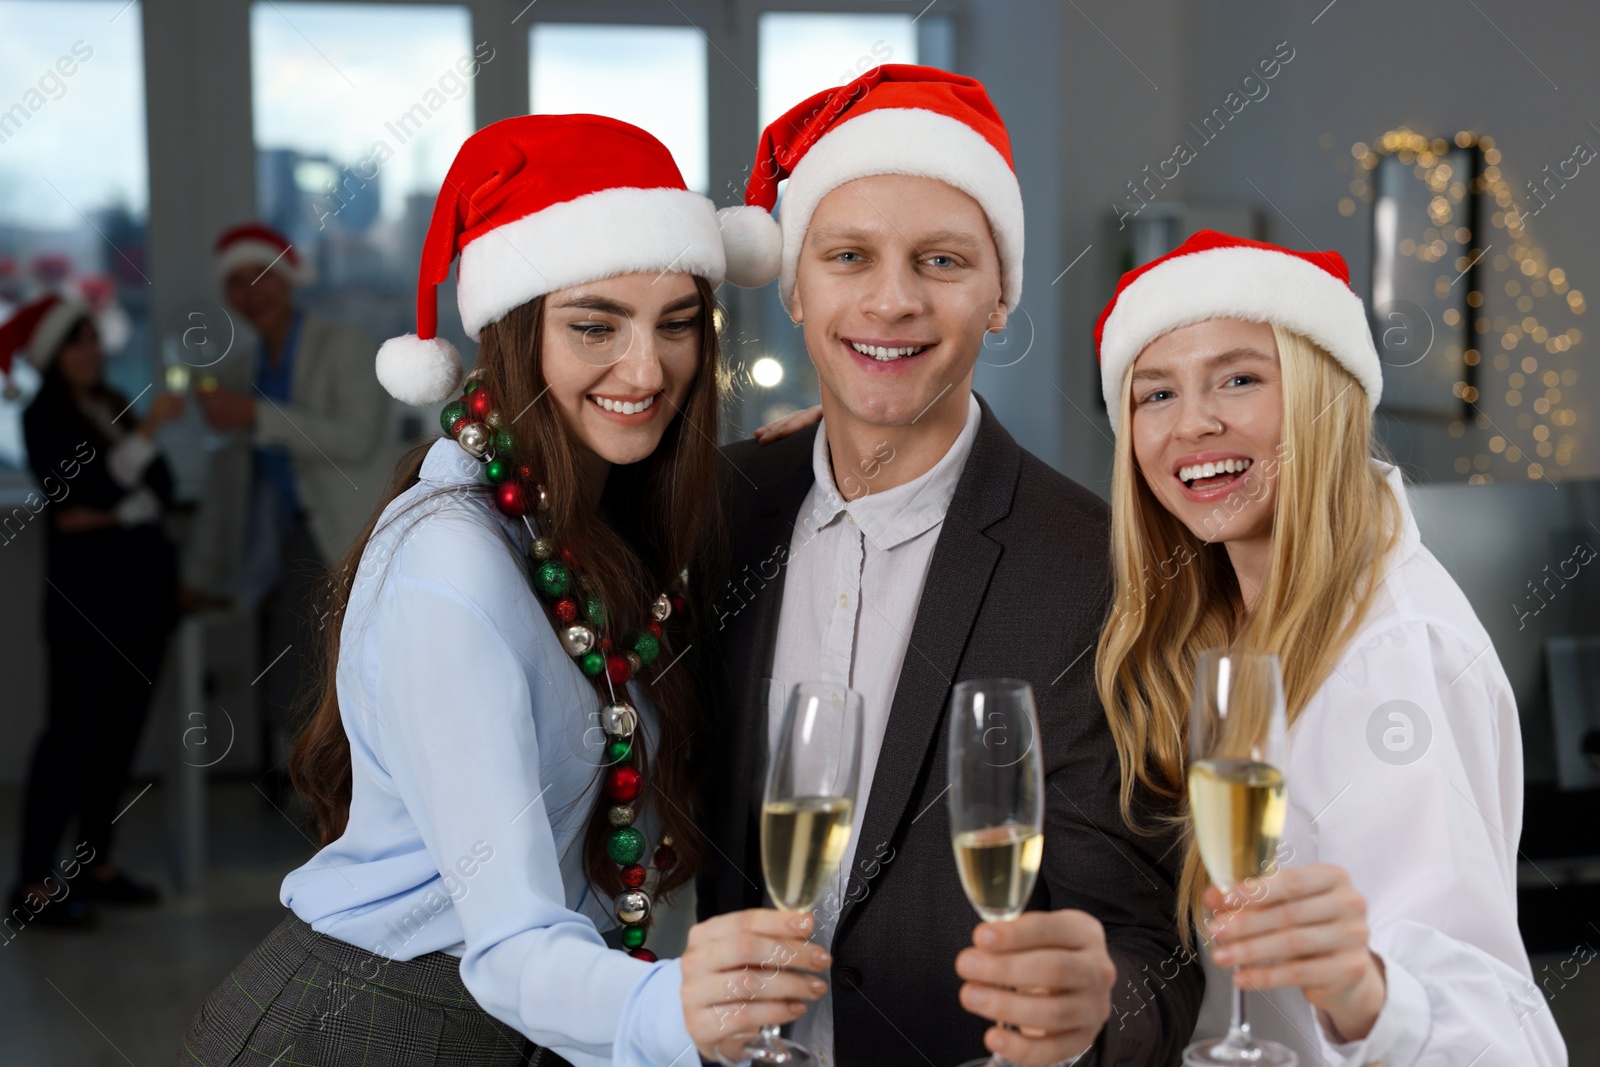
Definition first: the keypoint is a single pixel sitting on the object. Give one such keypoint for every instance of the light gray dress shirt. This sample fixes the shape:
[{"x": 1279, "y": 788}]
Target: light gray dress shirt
[{"x": 856, "y": 572}]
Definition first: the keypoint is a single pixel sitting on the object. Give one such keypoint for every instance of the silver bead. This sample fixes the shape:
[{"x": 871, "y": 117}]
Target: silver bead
[
  {"x": 577, "y": 639},
  {"x": 475, "y": 438},
  {"x": 496, "y": 420},
  {"x": 619, "y": 719},
  {"x": 632, "y": 906},
  {"x": 541, "y": 498},
  {"x": 661, "y": 608},
  {"x": 542, "y": 548},
  {"x": 621, "y": 815}
]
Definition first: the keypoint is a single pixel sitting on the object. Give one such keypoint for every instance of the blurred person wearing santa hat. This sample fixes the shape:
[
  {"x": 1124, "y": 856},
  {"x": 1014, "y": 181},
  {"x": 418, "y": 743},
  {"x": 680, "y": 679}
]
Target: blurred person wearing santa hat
[
  {"x": 111, "y": 580},
  {"x": 313, "y": 444}
]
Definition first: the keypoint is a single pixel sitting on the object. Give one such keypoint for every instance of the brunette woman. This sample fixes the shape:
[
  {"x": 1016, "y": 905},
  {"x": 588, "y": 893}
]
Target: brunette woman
[
  {"x": 498, "y": 765},
  {"x": 110, "y": 601}
]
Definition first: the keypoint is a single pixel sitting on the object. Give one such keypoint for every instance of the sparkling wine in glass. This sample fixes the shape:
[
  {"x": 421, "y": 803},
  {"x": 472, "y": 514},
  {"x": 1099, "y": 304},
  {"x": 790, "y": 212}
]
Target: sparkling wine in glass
[
  {"x": 806, "y": 816},
  {"x": 1238, "y": 746},
  {"x": 996, "y": 799}
]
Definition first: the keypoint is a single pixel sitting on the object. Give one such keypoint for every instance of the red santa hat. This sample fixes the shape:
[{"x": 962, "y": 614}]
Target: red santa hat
[
  {"x": 1218, "y": 276},
  {"x": 36, "y": 330},
  {"x": 538, "y": 203},
  {"x": 894, "y": 119},
  {"x": 259, "y": 246}
]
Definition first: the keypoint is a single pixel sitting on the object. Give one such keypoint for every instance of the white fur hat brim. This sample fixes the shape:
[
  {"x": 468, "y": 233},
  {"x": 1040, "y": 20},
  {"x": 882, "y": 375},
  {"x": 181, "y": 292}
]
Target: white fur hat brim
[
  {"x": 917, "y": 142},
  {"x": 600, "y": 235},
  {"x": 263, "y": 254},
  {"x": 1254, "y": 284},
  {"x": 53, "y": 329}
]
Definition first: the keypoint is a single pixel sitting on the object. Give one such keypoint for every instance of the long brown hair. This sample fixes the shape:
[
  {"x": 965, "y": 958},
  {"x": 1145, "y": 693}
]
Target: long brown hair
[
  {"x": 656, "y": 519},
  {"x": 1334, "y": 523}
]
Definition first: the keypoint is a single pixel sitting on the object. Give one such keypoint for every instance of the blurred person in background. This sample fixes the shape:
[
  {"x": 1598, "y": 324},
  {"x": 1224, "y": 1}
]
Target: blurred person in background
[
  {"x": 111, "y": 579},
  {"x": 313, "y": 446}
]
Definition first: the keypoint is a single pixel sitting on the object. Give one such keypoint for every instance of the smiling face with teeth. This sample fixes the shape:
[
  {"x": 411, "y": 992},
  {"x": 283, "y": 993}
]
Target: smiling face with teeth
[
  {"x": 1207, "y": 419},
  {"x": 897, "y": 282},
  {"x": 619, "y": 356}
]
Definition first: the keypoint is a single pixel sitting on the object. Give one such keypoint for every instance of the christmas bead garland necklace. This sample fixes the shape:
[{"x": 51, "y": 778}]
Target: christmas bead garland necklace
[{"x": 474, "y": 423}]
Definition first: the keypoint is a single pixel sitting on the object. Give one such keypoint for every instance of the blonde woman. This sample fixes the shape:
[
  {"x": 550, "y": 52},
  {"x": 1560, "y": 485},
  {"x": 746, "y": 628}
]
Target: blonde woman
[{"x": 1249, "y": 510}]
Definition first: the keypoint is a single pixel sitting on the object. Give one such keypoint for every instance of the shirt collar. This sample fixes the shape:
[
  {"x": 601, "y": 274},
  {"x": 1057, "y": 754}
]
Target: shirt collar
[
  {"x": 891, "y": 517},
  {"x": 1410, "y": 535}
]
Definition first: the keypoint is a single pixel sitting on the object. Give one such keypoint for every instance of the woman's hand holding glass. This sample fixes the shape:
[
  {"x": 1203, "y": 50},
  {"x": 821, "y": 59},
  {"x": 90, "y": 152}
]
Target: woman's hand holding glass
[
  {"x": 1304, "y": 927},
  {"x": 745, "y": 970}
]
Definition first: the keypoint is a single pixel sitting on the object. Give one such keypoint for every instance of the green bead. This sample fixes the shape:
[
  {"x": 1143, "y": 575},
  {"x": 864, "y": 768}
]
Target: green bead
[
  {"x": 593, "y": 663},
  {"x": 618, "y": 750},
  {"x": 594, "y": 609},
  {"x": 625, "y": 845},
  {"x": 503, "y": 443},
  {"x": 632, "y": 937},
  {"x": 453, "y": 412},
  {"x": 552, "y": 578},
  {"x": 498, "y": 470},
  {"x": 646, "y": 645},
  {"x": 474, "y": 384}
]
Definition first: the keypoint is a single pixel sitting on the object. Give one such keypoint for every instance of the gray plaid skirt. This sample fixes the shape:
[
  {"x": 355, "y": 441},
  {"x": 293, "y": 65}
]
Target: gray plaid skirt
[{"x": 302, "y": 999}]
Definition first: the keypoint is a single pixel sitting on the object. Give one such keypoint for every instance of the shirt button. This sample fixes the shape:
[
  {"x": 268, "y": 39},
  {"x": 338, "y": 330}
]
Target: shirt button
[
  {"x": 849, "y": 518},
  {"x": 844, "y": 600}
]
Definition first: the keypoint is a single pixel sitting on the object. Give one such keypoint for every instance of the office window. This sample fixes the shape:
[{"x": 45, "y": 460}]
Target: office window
[
  {"x": 801, "y": 54},
  {"x": 359, "y": 110},
  {"x": 651, "y": 76},
  {"x": 74, "y": 183}
]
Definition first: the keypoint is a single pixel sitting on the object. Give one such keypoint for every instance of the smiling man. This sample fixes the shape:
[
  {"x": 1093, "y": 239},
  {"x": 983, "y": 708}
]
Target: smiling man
[{"x": 904, "y": 543}]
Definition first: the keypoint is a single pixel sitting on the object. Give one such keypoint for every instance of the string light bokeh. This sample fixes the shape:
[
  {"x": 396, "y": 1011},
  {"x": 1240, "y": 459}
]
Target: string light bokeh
[{"x": 1528, "y": 358}]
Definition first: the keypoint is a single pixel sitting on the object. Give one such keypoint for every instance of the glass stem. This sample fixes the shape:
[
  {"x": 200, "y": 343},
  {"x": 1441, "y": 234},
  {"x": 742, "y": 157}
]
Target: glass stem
[{"x": 1238, "y": 1027}]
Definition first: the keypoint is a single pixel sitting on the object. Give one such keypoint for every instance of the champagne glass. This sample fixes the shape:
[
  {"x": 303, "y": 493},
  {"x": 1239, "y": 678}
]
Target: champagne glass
[
  {"x": 1238, "y": 746},
  {"x": 996, "y": 800},
  {"x": 807, "y": 813}
]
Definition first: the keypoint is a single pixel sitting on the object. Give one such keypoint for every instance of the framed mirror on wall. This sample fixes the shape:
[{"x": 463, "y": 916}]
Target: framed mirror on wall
[{"x": 1425, "y": 253}]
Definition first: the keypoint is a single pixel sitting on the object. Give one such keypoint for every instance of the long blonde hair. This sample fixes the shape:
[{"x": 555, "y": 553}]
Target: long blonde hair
[{"x": 1335, "y": 521}]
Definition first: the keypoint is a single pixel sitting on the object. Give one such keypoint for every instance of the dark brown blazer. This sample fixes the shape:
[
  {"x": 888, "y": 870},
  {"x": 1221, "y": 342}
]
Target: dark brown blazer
[{"x": 1018, "y": 587}]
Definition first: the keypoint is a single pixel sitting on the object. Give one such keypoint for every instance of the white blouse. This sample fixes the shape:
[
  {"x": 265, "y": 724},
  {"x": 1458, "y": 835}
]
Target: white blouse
[
  {"x": 1405, "y": 769},
  {"x": 474, "y": 746}
]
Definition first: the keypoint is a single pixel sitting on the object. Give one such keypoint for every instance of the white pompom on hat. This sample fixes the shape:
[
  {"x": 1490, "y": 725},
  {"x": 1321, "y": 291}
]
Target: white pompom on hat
[
  {"x": 894, "y": 119},
  {"x": 1218, "y": 276},
  {"x": 538, "y": 203}
]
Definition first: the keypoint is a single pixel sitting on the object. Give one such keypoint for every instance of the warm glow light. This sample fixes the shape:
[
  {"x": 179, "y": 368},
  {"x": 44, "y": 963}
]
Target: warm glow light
[{"x": 766, "y": 372}]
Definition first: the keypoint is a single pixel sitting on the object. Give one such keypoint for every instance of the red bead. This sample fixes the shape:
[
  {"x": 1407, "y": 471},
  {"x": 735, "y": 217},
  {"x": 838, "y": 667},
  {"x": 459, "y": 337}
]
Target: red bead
[
  {"x": 617, "y": 670},
  {"x": 509, "y": 495},
  {"x": 665, "y": 857},
  {"x": 624, "y": 783},
  {"x": 605, "y": 644},
  {"x": 479, "y": 404},
  {"x": 457, "y": 426},
  {"x": 568, "y": 558},
  {"x": 643, "y": 954},
  {"x": 655, "y": 628},
  {"x": 679, "y": 605},
  {"x": 525, "y": 470},
  {"x": 567, "y": 610},
  {"x": 633, "y": 876}
]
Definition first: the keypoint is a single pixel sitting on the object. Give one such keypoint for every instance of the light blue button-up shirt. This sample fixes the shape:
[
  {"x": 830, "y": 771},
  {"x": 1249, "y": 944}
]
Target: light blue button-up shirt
[{"x": 475, "y": 750}]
